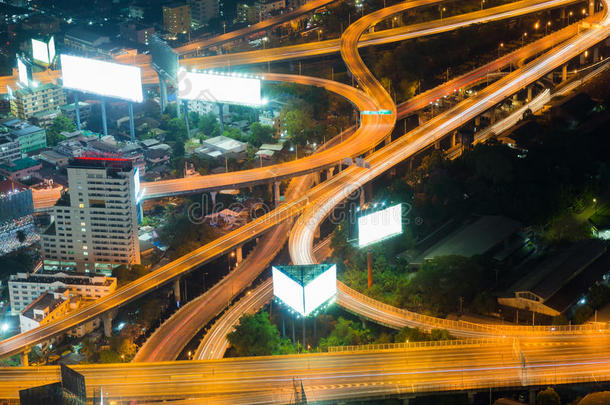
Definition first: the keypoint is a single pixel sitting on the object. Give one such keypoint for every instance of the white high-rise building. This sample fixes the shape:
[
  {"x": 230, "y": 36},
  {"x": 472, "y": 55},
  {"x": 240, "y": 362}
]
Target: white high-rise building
[{"x": 94, "y": 226}]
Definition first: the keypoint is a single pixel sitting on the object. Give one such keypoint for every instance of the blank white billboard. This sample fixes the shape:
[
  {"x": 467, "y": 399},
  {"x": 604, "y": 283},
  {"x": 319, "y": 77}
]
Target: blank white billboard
[
  {"x": 305, "y": 300},
  {"x": 40, "y": 51},
  {"x": 102, "y": 78},
  {"x": 51, "y": 49},
  {"x": 321, "y": 289},
  {"x": 288, "y": 290},
  {"x": 22, "y": 69},
  {"x": 379, "y": 225},
  {"x": 217, "y": 88}
]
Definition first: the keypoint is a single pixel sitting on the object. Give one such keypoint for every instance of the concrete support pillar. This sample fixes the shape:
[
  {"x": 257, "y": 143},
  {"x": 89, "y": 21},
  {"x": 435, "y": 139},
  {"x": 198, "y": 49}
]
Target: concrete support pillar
[
  {"x": 387, "y": 140},
  {"x": 25, "y": 358},
  {"x": 239, "y": 254},
  {"x": 276, "y": 193},
  {"x": 186, "y": 119},
  {"x": 330, "y": 172},
  {"x": 162, "y": 92},
  {"x": 516, "y": 97},
  {"x": 132, "y": 131},
  {"x": 213, "y": 195},
  {"x": 591, "y": 7},
  {"x": 595, "y": 54},
  {"x": 453, "y": 138},
  {"x": 317, "y": 232},
  {"x": 563, "y": 14},
  {"x": 178, "y": 112},
  {"x": 471, "y": 395},
  {"x": 362, "y": 198},
  {"x": 104, "y": 121},
  {"x": 316, "y": 178},
  {"x": 564, "y": 72},
  {"x": 582, "y": 58},
  {"x": 177, "y": 290},
  {"x": 477, "y": 121},
  {"x": 437, "y": 145},
  {"x": 77, "y": 111},
  {"x": 221, "y": 118},
  {"x": 529, "y": 93},
  {"x": 492, "y": 119},
  {"x": 107, "y": 321},
  {"x": 532, "y": 398}
]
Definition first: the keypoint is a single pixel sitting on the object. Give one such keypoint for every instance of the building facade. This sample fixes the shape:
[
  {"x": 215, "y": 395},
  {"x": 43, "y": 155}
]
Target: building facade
[
  {"x": 136, "y": 32},
  {"x": 94, "y": 226},
  {"x": 203, "y": 11},
  {"x": 177, "y": 18},
  {"x": 9, "y": 149},
  {"x": 24, "y": 288},
  {"x": 30, "y": 137},
  {"x": 28, "y": 101}
]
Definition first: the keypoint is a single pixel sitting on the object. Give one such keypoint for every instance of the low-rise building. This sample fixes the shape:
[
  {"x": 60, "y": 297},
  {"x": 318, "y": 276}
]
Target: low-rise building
[
  {"x": 49, "y": 306},
  {"x": 30, "y": 137},
  {"x": 20, "y": 169},
  {"x": 30, "y": 100},
  {"x": 9, "y": 148},
  {"x": 136, "y": 32},
  {"x": 84, "y": 109},
  {"x": 84, "y": 41},
  {"x": 26, "y": 287}
]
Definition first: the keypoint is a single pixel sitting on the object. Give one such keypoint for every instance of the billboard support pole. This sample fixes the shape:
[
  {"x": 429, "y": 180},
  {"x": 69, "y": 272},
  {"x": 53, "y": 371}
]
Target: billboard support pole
[
  {"x": 77, "y": 110},
  {"x": 186, "y": 118},
  {"x": 369, "y": 267},
  {"x": 132, "y": 132},
  {"x": 178, "y": 113},
  {"x": 104, "y": 123},
  {"x": 162, "y": 91}
]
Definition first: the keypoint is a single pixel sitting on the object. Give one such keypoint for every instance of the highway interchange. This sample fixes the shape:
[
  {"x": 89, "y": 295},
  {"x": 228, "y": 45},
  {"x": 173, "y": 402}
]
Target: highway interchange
[{"x": 315, "y": 204}]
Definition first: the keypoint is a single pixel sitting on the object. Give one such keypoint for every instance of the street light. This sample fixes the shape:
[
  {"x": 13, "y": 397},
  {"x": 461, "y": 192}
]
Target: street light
[
  {"x": 537, "y": 25},
  {"x": 500, "y": 47},
  {"x": 319, "y": 33},
  {"x": 570, "y": 14},
  {"x": 482, "y": 2},
  {"x": 442, "y": 10},
  {"x": 546, "y": 27},
  {"x": 523, "y": 38}
]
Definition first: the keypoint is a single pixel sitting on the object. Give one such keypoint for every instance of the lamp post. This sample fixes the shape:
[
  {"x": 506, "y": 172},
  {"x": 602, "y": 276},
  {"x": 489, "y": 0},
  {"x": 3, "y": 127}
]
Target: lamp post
[
  {"x": 546, "y": 27},
  {"x": 319, "y": 34},
  {"x": 442, "y": 10},
  {"x": 523, "y": 38}
]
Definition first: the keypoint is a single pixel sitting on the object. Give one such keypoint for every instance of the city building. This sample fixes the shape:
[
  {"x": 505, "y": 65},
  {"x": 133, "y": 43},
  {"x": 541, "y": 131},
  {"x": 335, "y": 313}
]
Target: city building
[
  {"x": 560, "y": 280},
  {"x": 136, "y": 32},
  {"x": 84, "y": 109},
  {"x": 30, "y": 137},
  {"x": 85, "y": 41},
  {"x": 52, "y": 305},
  {"x": 45, "y": 118},
  {"x": 203, "y": 11},
  {"x": 177, "y": 18},
  {"x": 137, "y": 11},
  {"x": 258, "y": 11},
  {"x": 48, "y": 307},
  {"x": 16, "y": 221},
  {"x": 94, "y": 226},
  {"x": 24, "y": 288},
  {"x": 33, "y": 99},
  {"x": 9, "y": 148},
  {"x": 220, "y": 145},
  {"x": 20, "y": 169}
]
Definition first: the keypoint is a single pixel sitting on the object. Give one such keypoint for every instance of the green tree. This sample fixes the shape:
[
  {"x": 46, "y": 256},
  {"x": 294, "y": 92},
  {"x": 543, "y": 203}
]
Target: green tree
[
  {"x": 582, "y": 314},
  {"x": 126, "y": 274},
  {"x": 548, "y": 397},
  {"x": 60, "y": 124},
  {"x": 260, "y": 134},
  {"x": 346, "y": 333},
  {"x": 208, "y": 124},
  {"x": 255, "y": 336},
  {"x": 109, "y": 356}
]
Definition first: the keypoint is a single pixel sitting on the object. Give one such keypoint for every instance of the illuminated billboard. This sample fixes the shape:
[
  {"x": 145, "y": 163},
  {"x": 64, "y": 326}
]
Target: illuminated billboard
[
  {"x": 136, "y": 184},
  {"x": 102, "y": 78},
  {"x": 25, "y": 72},
  {"x": 234, "y": 89},
  {"x": 305, "y": 288},
  {"x": 43, "y": 52},
  {"x": 163, "y": 57},
  {"x": 379, "y": 225}
]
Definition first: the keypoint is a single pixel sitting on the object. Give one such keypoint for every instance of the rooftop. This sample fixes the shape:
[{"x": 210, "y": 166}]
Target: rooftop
[
  {"x": 47, "y": 300},
  {"x": 116, "y": 164},
  {"x": 10, "y": 186},
  {"x": 19, "y": 164},
  {"x": 47, "y": 277},
  {"x": 473, "y": 239}
]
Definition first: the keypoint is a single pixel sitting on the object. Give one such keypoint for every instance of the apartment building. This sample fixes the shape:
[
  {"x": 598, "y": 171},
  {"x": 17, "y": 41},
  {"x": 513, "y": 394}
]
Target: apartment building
[
  {"x": 25, "y": 288},
  {"x": 203, "y": 11},
  {"x": 30, "y": 100},
  {"x": 94, "y": 226},
  {"x": 177, "y": 18}
]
